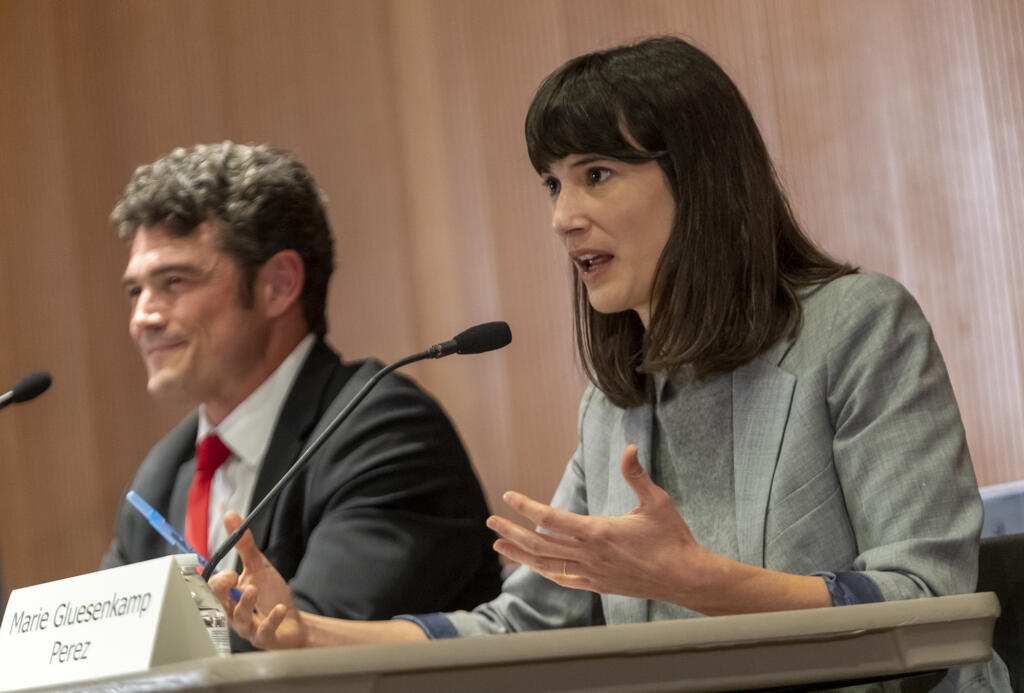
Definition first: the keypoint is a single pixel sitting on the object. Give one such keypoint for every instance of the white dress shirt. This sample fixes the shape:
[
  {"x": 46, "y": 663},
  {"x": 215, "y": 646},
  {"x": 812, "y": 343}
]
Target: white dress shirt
[{"x": 246, "y": 431}]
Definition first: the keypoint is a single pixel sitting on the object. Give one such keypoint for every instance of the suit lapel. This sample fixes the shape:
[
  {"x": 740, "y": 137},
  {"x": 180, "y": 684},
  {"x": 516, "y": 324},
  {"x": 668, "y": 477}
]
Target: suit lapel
[
  {"x": 312, "y": 391},
  {"x": 179, "y": 495},
  {"x": 183, "y": 452},
  {"x": 637, "y": 427},
  {"x": 761, "y": 397}
]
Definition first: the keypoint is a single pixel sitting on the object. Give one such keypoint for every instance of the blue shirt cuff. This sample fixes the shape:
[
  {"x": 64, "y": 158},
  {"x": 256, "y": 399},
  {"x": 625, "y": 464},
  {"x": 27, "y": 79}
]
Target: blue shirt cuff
[
  {"x": 851, "y": 587},
  {"x": 436, "y": 625}
]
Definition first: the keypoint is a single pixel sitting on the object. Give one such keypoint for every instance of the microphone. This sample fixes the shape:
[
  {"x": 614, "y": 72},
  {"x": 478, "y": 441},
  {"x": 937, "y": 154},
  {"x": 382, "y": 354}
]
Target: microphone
[
  {"x": 30, "y": 387},
  {"x": 476, "y": 340}
]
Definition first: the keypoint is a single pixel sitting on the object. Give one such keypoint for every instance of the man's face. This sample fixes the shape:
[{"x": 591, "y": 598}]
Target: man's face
[{"x": 198, "y": 341}]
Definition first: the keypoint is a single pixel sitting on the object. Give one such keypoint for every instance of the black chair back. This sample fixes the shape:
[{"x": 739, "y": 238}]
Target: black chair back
[{"x": 1001, "y": 570}]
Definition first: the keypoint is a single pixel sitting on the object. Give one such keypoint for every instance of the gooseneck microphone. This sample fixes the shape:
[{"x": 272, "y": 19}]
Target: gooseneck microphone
[
  {"x": 30, "y": 387},
  {"x": 476, "y": 340}
]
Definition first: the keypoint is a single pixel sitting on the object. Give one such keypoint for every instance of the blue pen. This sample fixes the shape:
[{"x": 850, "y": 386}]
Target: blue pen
[{"x": 164, "y": 529}]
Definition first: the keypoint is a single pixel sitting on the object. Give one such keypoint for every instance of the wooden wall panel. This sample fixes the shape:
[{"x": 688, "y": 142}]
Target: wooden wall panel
[
  {"x": 895, "y": 126},
  {"x": 998, "y": 37}
]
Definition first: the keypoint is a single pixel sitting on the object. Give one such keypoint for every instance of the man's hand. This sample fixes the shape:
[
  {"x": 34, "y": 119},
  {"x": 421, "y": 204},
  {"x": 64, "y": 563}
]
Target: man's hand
[{"x": 265, "y": 615}]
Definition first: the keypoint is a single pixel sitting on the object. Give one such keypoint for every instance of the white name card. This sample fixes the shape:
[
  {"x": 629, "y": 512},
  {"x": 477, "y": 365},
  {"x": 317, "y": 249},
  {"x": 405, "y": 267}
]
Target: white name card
[{"x": 102, "y": 624}]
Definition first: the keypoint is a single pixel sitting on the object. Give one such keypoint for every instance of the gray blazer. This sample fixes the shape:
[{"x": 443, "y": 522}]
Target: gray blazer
[{"x": 848, "y": 453}]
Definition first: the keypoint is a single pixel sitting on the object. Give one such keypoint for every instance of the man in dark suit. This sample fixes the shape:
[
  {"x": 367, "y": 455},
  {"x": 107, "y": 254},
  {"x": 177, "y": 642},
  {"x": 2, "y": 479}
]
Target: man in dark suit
[{"x": 230, "y": 256}]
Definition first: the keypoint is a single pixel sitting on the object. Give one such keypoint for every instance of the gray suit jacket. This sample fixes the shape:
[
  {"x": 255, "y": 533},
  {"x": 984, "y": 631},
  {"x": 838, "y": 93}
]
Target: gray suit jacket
[{"x": 848, "y": 453}]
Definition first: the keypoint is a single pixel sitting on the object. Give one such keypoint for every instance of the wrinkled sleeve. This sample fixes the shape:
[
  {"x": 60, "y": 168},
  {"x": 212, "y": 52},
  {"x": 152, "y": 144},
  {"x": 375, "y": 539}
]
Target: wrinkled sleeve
[
  {"x": 529, "y": 601},
  {"x": 900, "y": 450}
]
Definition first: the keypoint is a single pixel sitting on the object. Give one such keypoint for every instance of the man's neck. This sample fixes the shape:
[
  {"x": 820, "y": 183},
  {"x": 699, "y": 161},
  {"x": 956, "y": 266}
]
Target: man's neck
[
  {"x": 254, "y": 418},
  {"x": 278, "y": 349}
]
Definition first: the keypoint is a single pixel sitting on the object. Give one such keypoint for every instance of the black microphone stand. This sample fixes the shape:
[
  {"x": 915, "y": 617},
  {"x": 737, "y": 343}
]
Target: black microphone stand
[
  {"x": 475, "y": 340},
  {"x": 224, "y": 548}
]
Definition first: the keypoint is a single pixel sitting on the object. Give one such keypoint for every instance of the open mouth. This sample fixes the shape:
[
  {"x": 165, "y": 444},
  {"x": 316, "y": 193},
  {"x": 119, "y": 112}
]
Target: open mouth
[{"x": 591, "y": 262}]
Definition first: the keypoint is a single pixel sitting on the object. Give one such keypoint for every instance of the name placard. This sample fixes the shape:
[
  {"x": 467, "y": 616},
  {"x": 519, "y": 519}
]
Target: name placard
[{"x": 101, "y": 624}]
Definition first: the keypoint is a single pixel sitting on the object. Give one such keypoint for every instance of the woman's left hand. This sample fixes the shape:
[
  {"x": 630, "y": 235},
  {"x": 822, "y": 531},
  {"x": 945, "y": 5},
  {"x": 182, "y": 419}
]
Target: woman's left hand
[{"x": 648, "y": 553}]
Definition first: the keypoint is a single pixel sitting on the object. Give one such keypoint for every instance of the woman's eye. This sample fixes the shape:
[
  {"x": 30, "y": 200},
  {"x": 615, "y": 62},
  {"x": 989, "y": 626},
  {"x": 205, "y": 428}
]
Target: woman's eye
[
  {"x": 598, "y": 174},
  {"x": 552, "y": 186}
]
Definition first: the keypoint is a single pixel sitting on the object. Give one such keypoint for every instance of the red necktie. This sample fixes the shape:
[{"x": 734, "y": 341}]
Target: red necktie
[{"x": 210, "y": 454}]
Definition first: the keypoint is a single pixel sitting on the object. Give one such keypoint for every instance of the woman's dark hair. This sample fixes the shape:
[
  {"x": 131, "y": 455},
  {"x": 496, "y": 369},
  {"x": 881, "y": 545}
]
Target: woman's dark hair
[
  {"x": 262, "y": 199},
  {"x": 725, "y": 288}
]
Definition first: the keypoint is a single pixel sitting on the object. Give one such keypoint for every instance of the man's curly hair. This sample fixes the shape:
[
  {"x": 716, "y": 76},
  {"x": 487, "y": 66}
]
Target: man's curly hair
[{"x": 260, "y": 200}]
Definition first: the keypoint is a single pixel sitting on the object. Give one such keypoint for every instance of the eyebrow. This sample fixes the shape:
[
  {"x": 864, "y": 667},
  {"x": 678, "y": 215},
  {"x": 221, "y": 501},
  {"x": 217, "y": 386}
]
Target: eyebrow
[
  {"x": 589, "y": 160},
  {"x": 129, "y": 280},
  {"x": 582, "y": 162}
]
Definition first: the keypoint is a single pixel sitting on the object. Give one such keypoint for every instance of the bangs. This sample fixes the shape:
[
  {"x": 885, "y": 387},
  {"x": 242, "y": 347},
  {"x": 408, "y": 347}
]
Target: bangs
[{"x": 577, "y": 110}]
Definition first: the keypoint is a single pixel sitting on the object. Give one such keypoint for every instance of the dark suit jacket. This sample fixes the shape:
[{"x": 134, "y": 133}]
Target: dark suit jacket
[{"x": 387, "y": 517}]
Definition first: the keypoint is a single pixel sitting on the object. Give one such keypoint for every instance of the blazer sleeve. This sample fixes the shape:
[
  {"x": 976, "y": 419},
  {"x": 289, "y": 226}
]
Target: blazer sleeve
[
  {"x": 899, "y": 447},
  {"x": 529, "y": 601}
]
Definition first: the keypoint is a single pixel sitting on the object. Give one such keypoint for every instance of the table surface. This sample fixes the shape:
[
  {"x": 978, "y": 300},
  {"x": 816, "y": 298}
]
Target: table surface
[{"x": 769, "y": 650}]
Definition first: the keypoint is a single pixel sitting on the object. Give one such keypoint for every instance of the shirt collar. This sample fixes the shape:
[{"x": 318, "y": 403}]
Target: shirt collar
[{"x": 247, "y": 429}]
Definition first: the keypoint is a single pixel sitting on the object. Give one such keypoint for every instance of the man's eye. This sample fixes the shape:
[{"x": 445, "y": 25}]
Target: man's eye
[
  {"x": 133, "y": 292},
  {"x": 552, "y": 185},
  {"x": 598, "y": 174}
]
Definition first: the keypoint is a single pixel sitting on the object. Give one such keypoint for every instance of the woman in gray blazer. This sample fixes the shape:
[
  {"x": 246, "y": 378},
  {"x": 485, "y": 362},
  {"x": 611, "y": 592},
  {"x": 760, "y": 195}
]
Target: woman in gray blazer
[{"x": 766, "y": 428}]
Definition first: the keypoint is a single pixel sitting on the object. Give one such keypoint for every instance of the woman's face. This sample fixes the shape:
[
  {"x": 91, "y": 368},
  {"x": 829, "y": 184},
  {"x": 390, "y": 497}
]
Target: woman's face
[{"x": 614, "y": 219}]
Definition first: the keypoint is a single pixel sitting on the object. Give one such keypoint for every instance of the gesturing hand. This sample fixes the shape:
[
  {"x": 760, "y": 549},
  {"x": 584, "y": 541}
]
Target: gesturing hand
[
  {"x": 276, "y": 623},
  {"x": 648, "y": 553}
]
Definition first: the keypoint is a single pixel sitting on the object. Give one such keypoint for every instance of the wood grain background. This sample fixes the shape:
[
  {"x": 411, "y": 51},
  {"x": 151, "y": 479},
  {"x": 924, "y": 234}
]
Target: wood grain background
[{"x": 897, "y": 128}]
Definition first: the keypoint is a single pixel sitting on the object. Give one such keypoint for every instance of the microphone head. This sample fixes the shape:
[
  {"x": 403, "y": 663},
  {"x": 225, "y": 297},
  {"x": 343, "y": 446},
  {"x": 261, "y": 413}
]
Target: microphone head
[
  {"x": 31, "y": 386},
  {"x": 485, "y": 337}
]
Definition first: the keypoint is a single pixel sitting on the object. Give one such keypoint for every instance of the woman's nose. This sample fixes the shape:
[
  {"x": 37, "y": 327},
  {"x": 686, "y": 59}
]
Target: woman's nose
[{"x": 567, "y": 214}]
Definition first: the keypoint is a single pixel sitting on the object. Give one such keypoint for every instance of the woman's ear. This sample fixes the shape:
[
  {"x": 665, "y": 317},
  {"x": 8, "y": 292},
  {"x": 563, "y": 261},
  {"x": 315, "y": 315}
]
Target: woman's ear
[{"x": 279, "y": 282}]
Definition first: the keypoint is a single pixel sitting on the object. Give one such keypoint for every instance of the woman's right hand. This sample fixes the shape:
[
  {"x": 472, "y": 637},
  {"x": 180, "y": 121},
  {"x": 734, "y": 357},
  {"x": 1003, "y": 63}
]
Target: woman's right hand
[{"x": 265, "y": 615}]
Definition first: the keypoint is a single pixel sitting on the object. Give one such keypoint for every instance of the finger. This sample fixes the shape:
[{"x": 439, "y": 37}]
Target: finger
[
  {"x": 220, "y": 585},
  {"x": 226, "y": 603},
  {"x": 223, "y": 579},
  {"x": 246, "y": 546},
  {"x": 268, "y": 629},
  {"x": 565, "y": 572},
  {"x": 539, "y": 563},
  {"x": 232, "y": 521},
  {"x": 513, "y": 552},
  {"x": 534, "y": 542},
  {"x": 541, "y": 515},
  {"x": 517, "y": 554},
  {"x": 635, "y": 475},
  {"x": 244, "y": 622}
]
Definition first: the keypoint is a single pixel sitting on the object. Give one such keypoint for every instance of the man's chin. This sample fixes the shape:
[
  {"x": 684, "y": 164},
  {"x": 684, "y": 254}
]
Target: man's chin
[{"x": 166, "y": 387}]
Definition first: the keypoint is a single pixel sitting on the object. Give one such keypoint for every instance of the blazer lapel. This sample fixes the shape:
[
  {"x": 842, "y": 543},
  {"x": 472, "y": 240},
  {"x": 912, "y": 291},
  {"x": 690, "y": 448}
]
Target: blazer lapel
[
  {"x": 183, "y": 452},
  {"x": 313, "y": 390},
  {"x": 637, "y": 427},
  {"x": 761, "y": 397}
]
